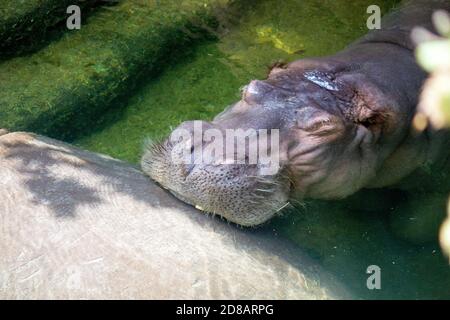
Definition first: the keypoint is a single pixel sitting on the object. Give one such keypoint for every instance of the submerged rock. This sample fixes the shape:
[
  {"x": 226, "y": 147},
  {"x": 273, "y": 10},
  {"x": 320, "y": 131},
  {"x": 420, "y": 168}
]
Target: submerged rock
[
  {"x": 82, "y": 225},
  {"x": 62, "y": 89}
]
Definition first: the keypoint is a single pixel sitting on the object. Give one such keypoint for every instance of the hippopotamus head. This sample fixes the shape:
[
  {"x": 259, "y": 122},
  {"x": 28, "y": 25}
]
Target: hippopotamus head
[{"x": 327, "y": 131}]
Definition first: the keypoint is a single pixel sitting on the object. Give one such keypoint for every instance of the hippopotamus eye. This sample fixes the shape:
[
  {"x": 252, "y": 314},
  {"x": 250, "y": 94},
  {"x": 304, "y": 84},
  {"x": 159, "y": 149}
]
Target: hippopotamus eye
[
  {"x": 368, "y": 122},
  {"x": 316, "y": 125}
]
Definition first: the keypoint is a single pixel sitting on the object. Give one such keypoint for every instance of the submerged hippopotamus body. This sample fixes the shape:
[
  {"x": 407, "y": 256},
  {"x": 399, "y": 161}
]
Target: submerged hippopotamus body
[{"x": 344, "y": 121}]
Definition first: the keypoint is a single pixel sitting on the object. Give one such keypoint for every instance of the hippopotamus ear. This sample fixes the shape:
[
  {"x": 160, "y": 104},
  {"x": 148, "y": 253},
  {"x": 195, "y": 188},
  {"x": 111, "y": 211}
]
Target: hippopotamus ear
[{"x": 369, "y": 106}]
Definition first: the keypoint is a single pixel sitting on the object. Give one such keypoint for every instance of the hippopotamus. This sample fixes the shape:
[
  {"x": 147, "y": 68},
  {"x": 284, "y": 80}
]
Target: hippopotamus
[{"x": 344, "y": 124}]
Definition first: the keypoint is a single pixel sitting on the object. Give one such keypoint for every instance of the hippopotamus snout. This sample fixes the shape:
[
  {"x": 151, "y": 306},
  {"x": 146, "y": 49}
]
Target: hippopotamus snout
[
  {"x": 197, "y": 164},
  {"x": 214, "y": 169}
]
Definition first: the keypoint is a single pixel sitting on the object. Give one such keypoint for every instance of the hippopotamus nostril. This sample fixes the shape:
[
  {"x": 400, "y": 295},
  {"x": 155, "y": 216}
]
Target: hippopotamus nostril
[
  {"x": 256, "y": 91},
  {"x": 255, "y": 87}
]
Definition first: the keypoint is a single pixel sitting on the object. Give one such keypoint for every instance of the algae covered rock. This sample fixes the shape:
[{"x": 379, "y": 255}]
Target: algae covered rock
[
  {"x": 78, "y": 225},
  {"x": 61, "y": 89}
]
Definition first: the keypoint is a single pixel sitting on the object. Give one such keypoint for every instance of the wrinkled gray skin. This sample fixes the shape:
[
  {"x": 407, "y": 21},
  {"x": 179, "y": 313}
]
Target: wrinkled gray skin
[{"x": 344, "y": 121}]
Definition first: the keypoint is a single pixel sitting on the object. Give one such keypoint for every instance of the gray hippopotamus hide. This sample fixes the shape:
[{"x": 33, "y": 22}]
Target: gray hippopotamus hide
[{"x": 80, "y": 225}]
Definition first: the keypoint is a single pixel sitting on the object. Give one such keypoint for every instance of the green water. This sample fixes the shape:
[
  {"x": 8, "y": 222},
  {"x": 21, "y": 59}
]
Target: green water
[
  {"x": 60, "y": 88},
  {"x": 343, "y": 236},
  {"x": 347, "y": 239}
]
